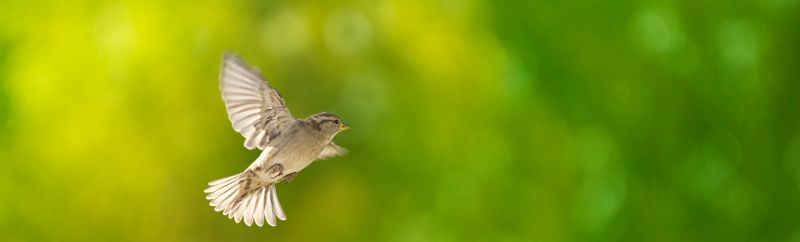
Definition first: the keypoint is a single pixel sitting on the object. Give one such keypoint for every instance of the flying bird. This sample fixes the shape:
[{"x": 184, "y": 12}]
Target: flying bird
[{"x": 257, "y": 111}]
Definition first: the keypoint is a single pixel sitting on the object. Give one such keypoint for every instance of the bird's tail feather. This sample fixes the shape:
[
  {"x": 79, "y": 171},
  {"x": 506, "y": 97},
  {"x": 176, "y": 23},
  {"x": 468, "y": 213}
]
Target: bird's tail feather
[{"x": 254, "y": 205}]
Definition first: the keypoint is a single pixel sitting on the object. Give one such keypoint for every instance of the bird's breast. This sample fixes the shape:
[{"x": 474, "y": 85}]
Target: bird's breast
[{"x": 296, "y": 152}]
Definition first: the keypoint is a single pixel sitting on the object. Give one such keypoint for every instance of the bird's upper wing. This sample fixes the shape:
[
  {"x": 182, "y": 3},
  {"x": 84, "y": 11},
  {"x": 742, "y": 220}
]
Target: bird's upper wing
[
  {"x": 331, "y": 150},
  {"x": 256, "y": 110}
]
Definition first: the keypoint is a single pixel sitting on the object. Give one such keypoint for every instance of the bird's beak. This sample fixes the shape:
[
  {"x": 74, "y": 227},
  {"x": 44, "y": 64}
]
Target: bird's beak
[{"x": 343, "y": 127}]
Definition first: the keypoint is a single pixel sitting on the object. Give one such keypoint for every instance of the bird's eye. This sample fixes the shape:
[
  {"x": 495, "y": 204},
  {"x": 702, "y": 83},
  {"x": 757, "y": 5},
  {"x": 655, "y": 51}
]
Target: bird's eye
[{"x": 336, "y": 121}]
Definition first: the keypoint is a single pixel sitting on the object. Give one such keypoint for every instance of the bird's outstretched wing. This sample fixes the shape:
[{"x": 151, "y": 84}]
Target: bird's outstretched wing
[
  {"x": 256, "y": 110},
  {"x": 331, "y": 150}
]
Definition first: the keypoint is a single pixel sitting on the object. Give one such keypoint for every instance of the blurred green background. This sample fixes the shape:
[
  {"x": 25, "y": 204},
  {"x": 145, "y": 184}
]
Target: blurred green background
[{"x": 472, "y": 120}]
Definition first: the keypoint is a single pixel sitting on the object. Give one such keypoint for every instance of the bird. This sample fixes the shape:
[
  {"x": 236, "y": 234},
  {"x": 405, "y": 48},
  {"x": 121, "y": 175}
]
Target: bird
[{"x": 288, "y": 145}]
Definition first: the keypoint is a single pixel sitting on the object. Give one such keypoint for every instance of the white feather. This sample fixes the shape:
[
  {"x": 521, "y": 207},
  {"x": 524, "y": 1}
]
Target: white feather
[
  {"x": 239, "y": 107},
  {"x": 231, "y": 98},
  {"x": 221, "y": 180},
  {"x": 230, "y": 208},
  {"x": 244, "y": 124},
  {"x": 258, "y": 214},
  {"x": 277, "y": 204},
  {"x": 246, "y": 121},
  {"x": 268, "y": 213},
  {"x": 224, "y": 201},
  {"x": 251, "y": 142},
  {"x": 242, "y": 73},
  {"x": 247, "y": 130},
  {"x": 246, "y": 115},
  {"x": 240, "y": 208},
  {"x": 244, "y": 112},
  {"x": 230, "y": 81},
  {"x": 229, "y": 88},
  {"x": 241, "y": 98},
  {"x": 234, "y": 78},
  {"x": 222, "y": 188},
  {"x": 250, "y": 209}
]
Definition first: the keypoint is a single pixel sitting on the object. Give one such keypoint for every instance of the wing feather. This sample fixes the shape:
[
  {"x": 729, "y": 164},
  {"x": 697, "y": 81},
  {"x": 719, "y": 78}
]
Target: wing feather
[
  {"x": 252, "y": 104},
  {"x": 331, "y": 150}
]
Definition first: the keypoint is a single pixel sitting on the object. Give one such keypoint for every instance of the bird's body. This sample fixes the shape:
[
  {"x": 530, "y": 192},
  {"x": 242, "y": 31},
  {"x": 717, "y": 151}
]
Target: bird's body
[
  {"x": 302, "y": 146},
  {"x": 289, "y": 145},
  {"x": 295, "y": 150}
]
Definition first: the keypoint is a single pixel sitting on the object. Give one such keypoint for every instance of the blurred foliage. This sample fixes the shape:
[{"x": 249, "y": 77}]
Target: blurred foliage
[{"x": 472, "y": 120}]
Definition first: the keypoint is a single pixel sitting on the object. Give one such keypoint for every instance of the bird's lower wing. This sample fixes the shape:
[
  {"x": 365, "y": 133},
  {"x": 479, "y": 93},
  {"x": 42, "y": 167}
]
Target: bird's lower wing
[{"x": 331, "y": 150}]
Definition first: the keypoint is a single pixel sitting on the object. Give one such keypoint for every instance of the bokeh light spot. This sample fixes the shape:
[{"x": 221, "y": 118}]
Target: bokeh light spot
[
  {"x": 115, "y": 30},
  {"x": 603, "y": 188},
  {"x": 347, "y": 31},
  {"x": 739, "y": 44},
  {"x": 286, "y": 33},
  {"x": 657, "y": 31}
]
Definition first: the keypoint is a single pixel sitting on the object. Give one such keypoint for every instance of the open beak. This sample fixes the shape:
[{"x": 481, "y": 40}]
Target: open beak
[{"x": 343, "y": 127}]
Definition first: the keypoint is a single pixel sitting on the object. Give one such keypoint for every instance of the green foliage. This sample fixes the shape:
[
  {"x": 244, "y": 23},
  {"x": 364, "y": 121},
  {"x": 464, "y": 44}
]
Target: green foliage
[{"x": 472, "y": 120}]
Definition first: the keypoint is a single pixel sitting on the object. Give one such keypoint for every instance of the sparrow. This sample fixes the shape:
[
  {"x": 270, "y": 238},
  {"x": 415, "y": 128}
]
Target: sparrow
[{"x": 258, "y": 112}]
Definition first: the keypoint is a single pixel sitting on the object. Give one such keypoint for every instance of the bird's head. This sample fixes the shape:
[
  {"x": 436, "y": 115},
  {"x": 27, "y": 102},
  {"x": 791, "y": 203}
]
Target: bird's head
[{"x": 328, "y": 123}]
